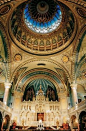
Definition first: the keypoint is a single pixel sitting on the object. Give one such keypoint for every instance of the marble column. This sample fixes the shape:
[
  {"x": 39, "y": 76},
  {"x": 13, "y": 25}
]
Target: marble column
[
  {"x": 6, "y": 93},
  {"x": 74, "y": 94}
]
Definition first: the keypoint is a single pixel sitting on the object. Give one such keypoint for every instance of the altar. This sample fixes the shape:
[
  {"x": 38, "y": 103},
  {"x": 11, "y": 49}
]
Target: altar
[
  {"x": 39, "y": 109},
  {"x": 29, "y": 113}
]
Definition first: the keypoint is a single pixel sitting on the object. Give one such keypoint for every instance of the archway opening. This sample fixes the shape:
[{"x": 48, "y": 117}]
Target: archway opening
[
  {"x": 6, "y": 121},
  {"x": 82, "y": 120},
  {"x": 48, "y": 88}
]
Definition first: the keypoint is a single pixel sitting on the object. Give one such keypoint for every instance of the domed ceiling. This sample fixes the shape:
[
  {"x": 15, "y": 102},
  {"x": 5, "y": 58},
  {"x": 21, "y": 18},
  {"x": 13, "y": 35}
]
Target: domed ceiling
[
  {"x": 42, "y": 27},
  {"x": 42, "y": 16}
]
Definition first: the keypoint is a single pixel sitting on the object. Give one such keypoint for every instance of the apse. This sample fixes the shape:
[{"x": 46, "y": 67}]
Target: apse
[{"x": 47, "y": 87}]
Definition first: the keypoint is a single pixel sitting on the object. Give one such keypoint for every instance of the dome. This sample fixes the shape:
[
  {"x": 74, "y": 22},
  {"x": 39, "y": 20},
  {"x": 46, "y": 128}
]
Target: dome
[
  {"x": 42, "y": 27},
  {"x": 42, "y": 16}
]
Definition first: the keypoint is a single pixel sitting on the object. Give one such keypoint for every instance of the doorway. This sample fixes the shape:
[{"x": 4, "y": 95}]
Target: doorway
[
  {"x": 40, "y": 116},
  {"x": 6, "y": 122},
  {"x": 82, "y": 121}
]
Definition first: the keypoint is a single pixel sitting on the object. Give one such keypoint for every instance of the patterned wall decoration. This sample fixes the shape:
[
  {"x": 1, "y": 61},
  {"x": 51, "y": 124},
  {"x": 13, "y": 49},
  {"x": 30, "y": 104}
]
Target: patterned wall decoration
[
  {"x": 3, "y": 58},
  {"x": 81, "y": 12},
  {"x": 4, "y": 10},
  {"x": 81, "y": 53},
  {"x": 38, "y": 73},
  {"x": 17, "y": 76},
  {"x": 3, "y": 48},
  {"x": 62, "y": 74}
]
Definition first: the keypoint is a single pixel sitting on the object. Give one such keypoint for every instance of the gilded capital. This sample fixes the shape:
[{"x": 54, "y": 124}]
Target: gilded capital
[
  {"x": 74, "y": 86},
  {"x": 7, "y": 85}
]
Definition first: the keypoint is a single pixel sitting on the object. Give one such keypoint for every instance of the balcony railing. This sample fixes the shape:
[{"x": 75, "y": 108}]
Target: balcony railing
[
  {"x": 78, "y": 107},
  {"x": 4, "y": 107}
]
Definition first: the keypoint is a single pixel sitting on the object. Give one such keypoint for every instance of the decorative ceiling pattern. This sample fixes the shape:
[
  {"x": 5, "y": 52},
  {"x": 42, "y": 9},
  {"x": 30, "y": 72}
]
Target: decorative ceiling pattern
[
  {"x": 62, "y": 74},
  {"x": 39, "y": 43},
  {"x": 3, "y": 49},
  {"x": 80, "y": 65},
  {"x": 44, "y": 85},
  {"x": 3, "y": 58},
  {"x": 81, "y": 70},
  {"x": 4, "y": 1},
  {"x": 42, "y": 16},
  {"x": 19, "y": 74},
  {"x": 81, "y": 12},
  {"x": 81, "y": 51},
  {"x": 79, "y": 2},
  {"x": 38, "y": 74}
]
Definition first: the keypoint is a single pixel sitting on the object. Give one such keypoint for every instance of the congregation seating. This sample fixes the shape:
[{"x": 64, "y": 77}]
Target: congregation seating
[
  {"x": 64, "y": 127},
  {"x": 35, "y": 129}
]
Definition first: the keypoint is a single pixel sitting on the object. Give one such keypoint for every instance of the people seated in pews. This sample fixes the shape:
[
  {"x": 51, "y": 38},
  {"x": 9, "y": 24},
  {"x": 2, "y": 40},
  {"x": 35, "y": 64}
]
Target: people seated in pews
[{"x": 14, "y": 125}]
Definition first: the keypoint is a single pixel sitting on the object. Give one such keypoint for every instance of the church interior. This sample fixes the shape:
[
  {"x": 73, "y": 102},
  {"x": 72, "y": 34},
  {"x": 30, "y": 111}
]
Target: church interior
[{"x": 43, "y": 65}]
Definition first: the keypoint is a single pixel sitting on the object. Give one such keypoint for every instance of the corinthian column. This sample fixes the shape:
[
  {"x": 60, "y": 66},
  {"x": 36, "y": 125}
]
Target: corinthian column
[
  {"x": 74, "y": 94},
  {"x": 6, "y": 93}
]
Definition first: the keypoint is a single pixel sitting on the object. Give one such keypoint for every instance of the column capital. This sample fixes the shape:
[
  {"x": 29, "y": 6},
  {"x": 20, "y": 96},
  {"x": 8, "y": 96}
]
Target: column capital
[
  {"x": 7, "y": 85},
  {"x": 74, "y": 85}
]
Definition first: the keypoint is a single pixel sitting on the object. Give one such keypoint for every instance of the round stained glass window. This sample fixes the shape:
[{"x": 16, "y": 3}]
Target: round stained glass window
[{"x": 42, "y": 20}]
